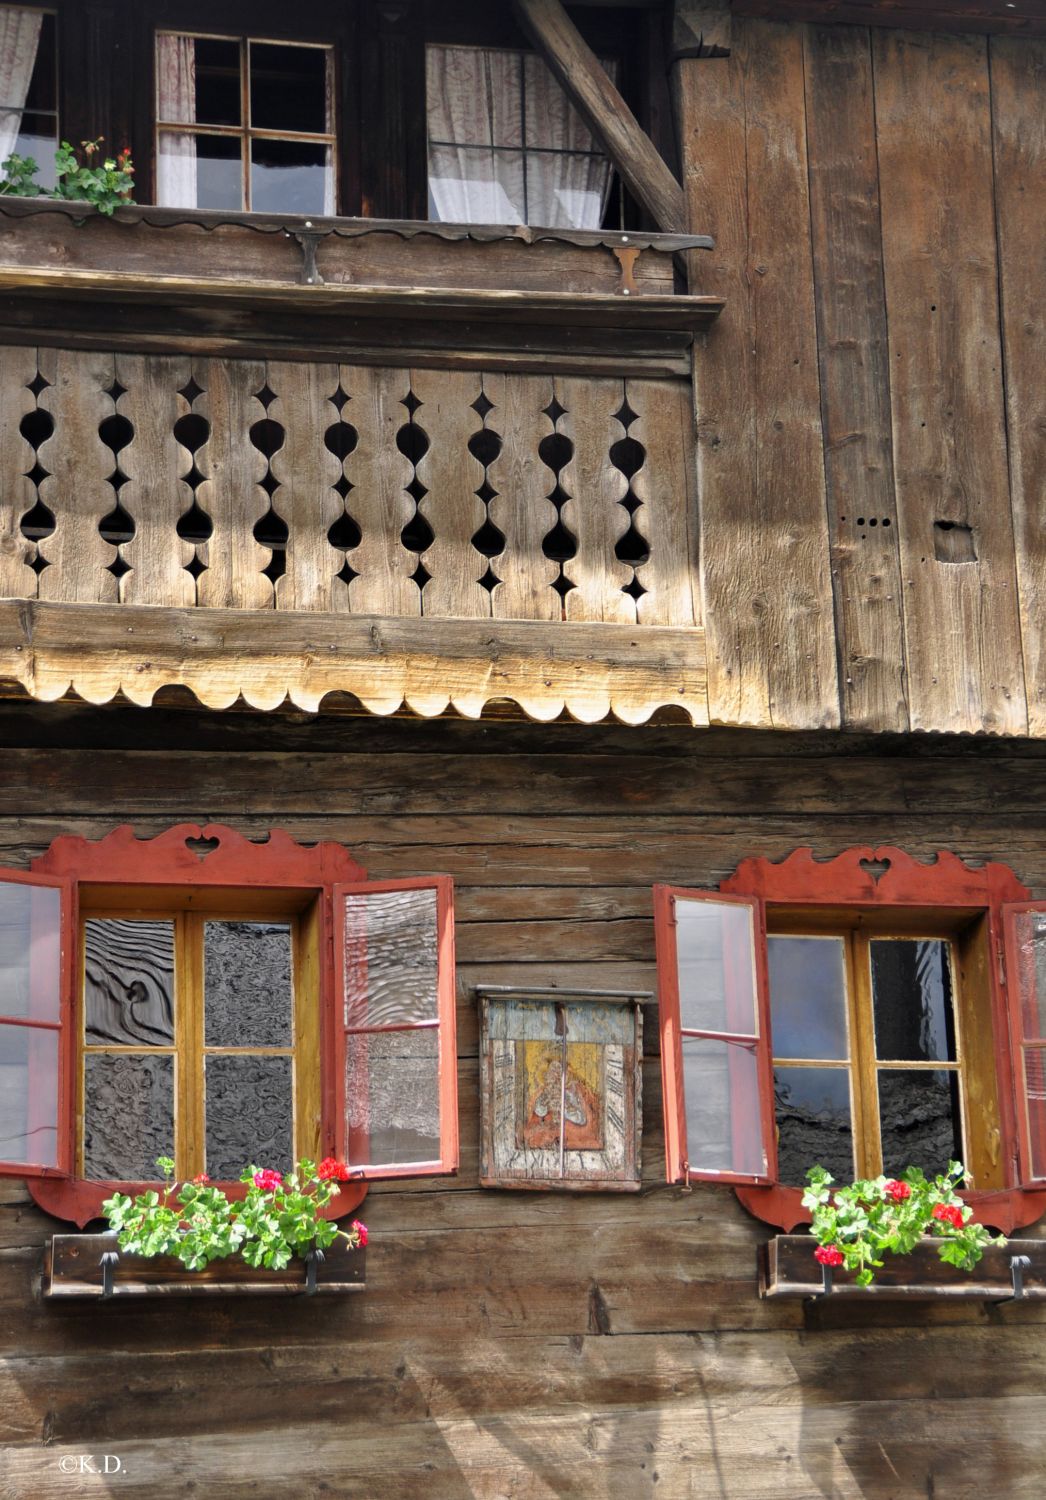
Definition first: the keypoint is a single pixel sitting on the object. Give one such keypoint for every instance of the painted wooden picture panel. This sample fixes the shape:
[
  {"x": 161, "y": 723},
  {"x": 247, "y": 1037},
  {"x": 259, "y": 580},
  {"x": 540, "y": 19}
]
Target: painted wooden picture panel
[{"x": 561, "y": 1089}]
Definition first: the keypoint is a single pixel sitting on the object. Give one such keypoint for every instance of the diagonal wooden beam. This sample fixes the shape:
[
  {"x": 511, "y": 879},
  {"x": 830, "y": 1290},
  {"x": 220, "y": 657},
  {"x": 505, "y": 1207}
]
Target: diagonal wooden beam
[{"x": 601, "y": 106}]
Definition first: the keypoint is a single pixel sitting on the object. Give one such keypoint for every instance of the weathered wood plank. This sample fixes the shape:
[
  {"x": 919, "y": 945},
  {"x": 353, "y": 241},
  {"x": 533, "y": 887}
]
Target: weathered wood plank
[
  {"x": 18, "y": 494},
  {"x": 452, "y": 506},
  {"x": 521, "y": 509},
  {"x": 231, "y": 495},
  {"x": 156, "y": 495},
  {"x": 949, "y": 431},
  {"x": 855, "y": 376},
  {"x": 593, "y": 513},
  {"x": 1018, "y": 82},
  {"x": 765, "y": 568},
  {"x": 307, "y": 472},
  {"x": 378, "y": 502},
  {"x": 667, "y": 486}
]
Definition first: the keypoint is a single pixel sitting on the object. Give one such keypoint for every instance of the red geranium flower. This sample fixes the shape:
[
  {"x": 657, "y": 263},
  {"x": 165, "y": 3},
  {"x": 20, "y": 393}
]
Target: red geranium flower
[
  {"x": 332, "y": 1170},
  {"x": 361, "y": 1230},
  {"x": 268, "y": 1180},
  {"x": 947, "y": 1213},
  {"x": 201, "y": 1179},
  {"x": 829, "y": 1255},
  {"x": 898, "y": 1191}
]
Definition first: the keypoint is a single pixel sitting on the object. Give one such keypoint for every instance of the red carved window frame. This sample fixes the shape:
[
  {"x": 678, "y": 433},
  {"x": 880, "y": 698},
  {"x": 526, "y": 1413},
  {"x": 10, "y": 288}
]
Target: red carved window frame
[
  {"x": 188, "y": 856},
  {"x": 877, "y": 880}
]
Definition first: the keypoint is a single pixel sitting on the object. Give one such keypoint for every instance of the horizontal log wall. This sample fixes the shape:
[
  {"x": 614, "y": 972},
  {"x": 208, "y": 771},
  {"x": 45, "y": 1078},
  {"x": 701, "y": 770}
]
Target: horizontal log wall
[
  {"x": 515, "y": 1344},
  {"x": 872, "y": 443}
]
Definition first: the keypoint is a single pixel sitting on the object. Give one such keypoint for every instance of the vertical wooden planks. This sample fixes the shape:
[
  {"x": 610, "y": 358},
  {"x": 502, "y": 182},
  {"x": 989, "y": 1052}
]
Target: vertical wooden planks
[
  {"x": 77, "y": 490},
  {"x": 667, "y": 485},
  {"x": 17, "y": 494},
  {"x": 593, "y": 513},
  {"x": 1018, "y": 88},
  {"x": 156, "y": 495},
  {"x": 379, "y": 503},
  {"x": 452, "y": 506},
  {"x": 306, "y": 471},
  {"x": 855, "y": 385},
  {"x": 765, "y": 569},
  {"x": 521, "y": 509},
  {"x": 231, "y": 494},
  {"x": 949, "y": 434}
]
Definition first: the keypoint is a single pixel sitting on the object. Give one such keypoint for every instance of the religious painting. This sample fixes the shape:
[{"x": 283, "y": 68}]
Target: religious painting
[{"x": 561, "y": 1088}]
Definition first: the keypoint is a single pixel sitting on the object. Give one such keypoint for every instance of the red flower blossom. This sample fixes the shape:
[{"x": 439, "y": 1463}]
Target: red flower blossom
[
  {"x": 332, "y": 1170},
  {"x": 268, "y": 1180},
  {"x": 827, "y": 1255},
  {"x": 361, "y": 1230},
  {"x": 201, "y": 1179},
  {"x": 947, "y": 1213},
  {"x": 898, "y": 1191}
]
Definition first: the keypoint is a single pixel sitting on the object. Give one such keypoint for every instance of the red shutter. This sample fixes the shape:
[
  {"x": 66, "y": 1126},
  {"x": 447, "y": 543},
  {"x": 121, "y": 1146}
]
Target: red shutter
[
  {"x": 1024, "y": 928},
  {"x": 716, "y": 1069},
  {"x": 36, "y": 1065},
  {"x": 394, "y": 967}
]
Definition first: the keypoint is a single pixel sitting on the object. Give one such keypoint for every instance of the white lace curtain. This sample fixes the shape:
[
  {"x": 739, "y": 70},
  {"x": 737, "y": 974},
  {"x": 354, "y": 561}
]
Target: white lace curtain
[
  {"x": 19, "y": 40},
  {"x": 176, "y": 101},
  {"x": 506, "y": 146}
]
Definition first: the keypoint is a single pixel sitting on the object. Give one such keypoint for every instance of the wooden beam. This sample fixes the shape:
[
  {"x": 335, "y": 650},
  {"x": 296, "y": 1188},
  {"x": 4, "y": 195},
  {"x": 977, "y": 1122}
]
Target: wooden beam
[
  {"x": 599, "y": 103},
  {"x": 700, "y": 28},
  {"x": 268, "y": 658}
]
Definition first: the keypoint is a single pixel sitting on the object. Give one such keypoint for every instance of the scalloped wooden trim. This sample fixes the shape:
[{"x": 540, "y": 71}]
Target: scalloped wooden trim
[
  {"x": 168, "y": 859},
  {"x": 266, "y": 658},
  {"x": 851, "y": 879}
]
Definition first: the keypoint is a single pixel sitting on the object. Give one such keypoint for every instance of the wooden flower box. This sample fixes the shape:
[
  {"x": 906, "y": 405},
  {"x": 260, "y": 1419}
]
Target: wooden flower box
[
  {"x": 787, "y": 1269},
  {"x": 74, "y": 1268}
]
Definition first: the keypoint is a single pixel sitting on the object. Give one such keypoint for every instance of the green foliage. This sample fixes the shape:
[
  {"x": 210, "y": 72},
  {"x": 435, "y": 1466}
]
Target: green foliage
[
  {"x": 83, "y": 176},
  {"x": 275, "y": 1220},
  {"x": 855, "y": 1226}
]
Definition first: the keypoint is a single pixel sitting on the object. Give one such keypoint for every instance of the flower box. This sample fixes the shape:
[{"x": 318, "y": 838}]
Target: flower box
[
  {"x": 787, "y": 1268},
  {"x": 74, "y": 1268}
]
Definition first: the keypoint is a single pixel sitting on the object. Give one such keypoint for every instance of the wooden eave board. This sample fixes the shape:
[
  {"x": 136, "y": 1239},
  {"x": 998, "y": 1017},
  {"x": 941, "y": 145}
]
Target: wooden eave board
[
  {"x": 267, "y": 658},
  {"x": 1026, "y": 18}
]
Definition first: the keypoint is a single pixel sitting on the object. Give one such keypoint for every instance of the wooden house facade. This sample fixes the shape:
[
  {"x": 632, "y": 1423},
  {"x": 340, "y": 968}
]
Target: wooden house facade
[{"x": 550, "y": 500}]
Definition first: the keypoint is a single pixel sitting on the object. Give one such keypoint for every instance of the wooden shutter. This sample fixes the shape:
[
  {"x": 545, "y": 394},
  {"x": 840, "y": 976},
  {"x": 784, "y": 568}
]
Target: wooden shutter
[
  {"x": 715, "y": 1054},
  {"x": 394, "y": 963},
  {"x": 36, "y": 1075},
  {"x": 1024, "y": 929}
]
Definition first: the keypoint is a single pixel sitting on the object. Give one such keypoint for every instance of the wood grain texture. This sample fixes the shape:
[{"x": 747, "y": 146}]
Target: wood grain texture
[
  {"x": 452, "y": 506},
  {"x": 855, "y": 377},
  {"x": 962, "y": 628},
  {"x": 76, "y": 490},
  {"x": 307, "y": 472},
  {"x": 379, "y": 502},
  {"x": 593, "y": 513},
  {"x": 1018, "y": 85},
  {"x": 18, "y": 494},
  {"x": 765, "y": 568},
  {"x": 269, "y": 658},
  {"x": 668, "y": 518},
  {"x": 521, "y": 509},
  {"x": 156, "y": 495},
  {"x": 231, "y": 494}
]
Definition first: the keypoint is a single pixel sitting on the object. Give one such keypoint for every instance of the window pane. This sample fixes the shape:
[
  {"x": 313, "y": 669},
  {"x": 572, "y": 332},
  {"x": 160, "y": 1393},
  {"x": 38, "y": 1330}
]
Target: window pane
[
  {"x": 474, "y": 96},
  {"x": 291, "y": 177},
  {"x": 42, "y": 94},
  {"x": 392, "y": 1087},
  {"x": 716, "y": 953},
  {"x": 390, "y": 958},
  {"x": 247, "y": 984},
  {"x": 912, "y": 1000},
  {"x": 721, "y": 1083},
  {"x": 814, "y": 1124},
  {"x": 30, "y": 951},
  {"x": 476, "y": 186},
  {"x": 128, "y": 1115},
  {"x": 1035, "y": 1084},
  {"x": 199, "y": 171},
  {"x": 1030, "y": 927},
  {"x": 919, "y": 1120},
  {"x": 566, "y": 192},
  {"x": 29, "y": 1096},
  {"x": 808, "y": 997},
  {"x": 249, "y": 1115},
  {"x": 129, "y": 982},
  {"x": 219, "y": 95},
  {"x": 289, "y": 88},
  {"x": 552, "y": 121},
  {"x": 38, "y": 138}
]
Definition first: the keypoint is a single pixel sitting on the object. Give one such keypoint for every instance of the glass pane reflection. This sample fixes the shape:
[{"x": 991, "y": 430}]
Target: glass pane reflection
[
  {"x": 715, "y": 948},
  {"x": 814, "y": 1123},
  {"x": 912, "y": 1000},
  {"x": 808, "y": 997},
  {"x": 291, "y": 177},
  {"x": 29, "y": 1096},
  {"x": 721, "y": 1084},
  {"x": 392, "y": 1085},
  {"x": 919, "y": 1119}
]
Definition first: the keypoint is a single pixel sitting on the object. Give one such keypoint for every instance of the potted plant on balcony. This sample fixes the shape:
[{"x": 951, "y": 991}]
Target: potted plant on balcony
[
  {"x": 194, "y": 1238},
  {"x": 81, "y": 176}
]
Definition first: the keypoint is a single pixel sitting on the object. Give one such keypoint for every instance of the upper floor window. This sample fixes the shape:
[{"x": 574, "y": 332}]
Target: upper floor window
[
  {"x": 29, "y": 88},
  {"x": 244, "y": 123},
  {"x": 506, "y": 146}
]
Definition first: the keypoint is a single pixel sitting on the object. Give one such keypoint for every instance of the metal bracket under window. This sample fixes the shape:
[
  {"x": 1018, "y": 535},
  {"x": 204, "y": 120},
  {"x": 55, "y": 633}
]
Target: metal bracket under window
[
  {"x": 1018, "y": 1265},
  {"x": 308, "y": 238},
  {"x": 312, "y": 1261},
  {"x": 109, "y": 1261}
]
